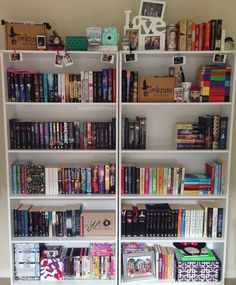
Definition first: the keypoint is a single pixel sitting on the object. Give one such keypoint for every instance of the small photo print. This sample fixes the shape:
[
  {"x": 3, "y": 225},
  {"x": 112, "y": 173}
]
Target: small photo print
[
  {"x": 178, "y": 60},
  {"x": 59, "y": 60},
  {"x": 152, "y": 43},
  {"x": 109, "y": 58},
  {"x": 14, "y": 57},
  {"x": 219, "y": 58},
  {"x": 41, "y": 42},
  {"x": 130, "y": 57},
  {"x": 68, "y": 59}
]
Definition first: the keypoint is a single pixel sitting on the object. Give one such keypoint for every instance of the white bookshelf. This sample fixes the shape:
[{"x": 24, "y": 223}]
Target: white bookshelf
[
  {"x": 161, "y": 148},
  {"x": 43, "y": 61}
]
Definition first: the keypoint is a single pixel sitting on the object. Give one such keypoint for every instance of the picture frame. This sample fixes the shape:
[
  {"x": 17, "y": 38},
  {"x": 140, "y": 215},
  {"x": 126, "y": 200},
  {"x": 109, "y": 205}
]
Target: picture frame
[
  {"x": 41, "y": 42},
  {"x": 130, "y": 57},
  {"x": 219, "y": 57},
  {"x": 108, "y": 58},
  {"x": 67, "y": 59},
  {"x": 178, "y": 60},
  {"x": 153, "y": 42},
  {"x": 133, "y": 35},
  {"x": 58, "y": 60},
  {"x": 14, "y": 57},
  {"x": 139, "y": 266},
  {"x": 152, "y": 9}
]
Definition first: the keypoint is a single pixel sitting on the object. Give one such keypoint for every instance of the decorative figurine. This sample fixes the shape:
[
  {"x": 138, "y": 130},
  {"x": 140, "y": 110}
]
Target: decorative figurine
[{"x": 55, "y": 42}]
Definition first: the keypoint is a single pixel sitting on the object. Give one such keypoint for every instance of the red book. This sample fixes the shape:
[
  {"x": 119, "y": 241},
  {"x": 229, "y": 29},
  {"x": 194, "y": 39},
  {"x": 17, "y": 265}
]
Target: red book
[
  {"x": 197, "y": 28},
  {"x": 214, "y": 98},
  {"x": 200, "y": 36},
  {"x": 196, "y": 186},
  {"x": 23, "y": 179},
  {"x": 210, "y": 171},
  {"x": 217, "y": 91},
  {"x": 207, "y": 36},
  {"x": 146, "y": 181}
]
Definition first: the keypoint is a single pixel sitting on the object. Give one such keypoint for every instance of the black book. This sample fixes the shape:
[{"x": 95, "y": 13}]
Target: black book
[
  {"x": 99, "y": 86},
  {"x": 24, "y": 144},
  {"x": 131, "y": 135},
  {"x": 17, "y": 88},
  {"x": 129, "y": 219},
  {"x": 133, "y": 180},
  {"x": 41, "y": 93},
  {"x": 95, "y": 87},
  {"x": 12, "y": 132},
  {"x": 28, "y": 135},
  {"x": 223, "y": 132},
  {"x": 106, "y": 135},
  {"x": 22, "y": 87},
  {"x": 218, "y": 33},
  {"x": 137, "y": 190},
  {"x": 112, "y": 178},
  {"x": 29, "y": 90},
  {"x": 212, "y": 34},
  {"x": 142, "y": 138},
  {"x": 11, "y": 86},
  {"x": 18, "y": 134},
  {"x": 135, "y": 221},
  {"x": 124, "y": 86},
  {"x": 206, "y": 122},
  {"x": 129, "y": 180},
  {"x": 70, "y": 135},
  {"x": 142, "y": 223},
  {"x": 113, "y": 133},
  {"x": 55, "y": 81}
]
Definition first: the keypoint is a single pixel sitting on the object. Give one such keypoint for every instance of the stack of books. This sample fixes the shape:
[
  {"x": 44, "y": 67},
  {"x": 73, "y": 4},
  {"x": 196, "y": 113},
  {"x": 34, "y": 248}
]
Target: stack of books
[
  {"x": 214, "y": 81},
  {"x": 195, "y": 184}
]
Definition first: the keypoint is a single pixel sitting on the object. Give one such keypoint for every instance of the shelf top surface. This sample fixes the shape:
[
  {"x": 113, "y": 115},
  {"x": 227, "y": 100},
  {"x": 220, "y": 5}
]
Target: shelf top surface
[
  {"x": 64, "y": 197},
  {"x": 64, "y": 239},
  {"x": 170, "y": 197}
]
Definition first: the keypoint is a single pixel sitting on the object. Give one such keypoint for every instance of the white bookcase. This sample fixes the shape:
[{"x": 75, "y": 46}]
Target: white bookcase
[
  {"x": 161, "y": 149},
  {"x": 161, "y": 144},
  {"x": 43, "y": 61}
]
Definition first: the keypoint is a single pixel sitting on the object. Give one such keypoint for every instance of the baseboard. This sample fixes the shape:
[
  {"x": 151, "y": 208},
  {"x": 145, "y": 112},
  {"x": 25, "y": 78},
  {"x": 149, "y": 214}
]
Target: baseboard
[
  {"x": 5, "y": 274},
  {"x": 230, "y": 274}
]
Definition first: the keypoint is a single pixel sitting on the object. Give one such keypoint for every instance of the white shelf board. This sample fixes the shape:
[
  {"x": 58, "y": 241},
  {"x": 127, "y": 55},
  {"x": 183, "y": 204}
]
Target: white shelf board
[
  {"x": 177, "y": 105},
  {"x": 173, "y": 197},
  {"x": 59, "y": 104},
  {"x": 166, "y": 282},
  {"x": 61, "y": 240},
  {"x": 53, "y": 52},
  {"x": 63, "y": 197},
  {"x": 60, "y": 151},
  {"x": 171, "y": 239},
  {"x": 200, "y": 52},
  {"x": 171, "y": 149},
  {"x": 67, "y": 282}
]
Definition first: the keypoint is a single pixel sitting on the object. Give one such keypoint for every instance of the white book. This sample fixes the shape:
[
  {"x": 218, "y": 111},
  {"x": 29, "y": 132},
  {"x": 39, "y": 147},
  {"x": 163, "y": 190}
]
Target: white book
[{"x": 90, "y": 86}]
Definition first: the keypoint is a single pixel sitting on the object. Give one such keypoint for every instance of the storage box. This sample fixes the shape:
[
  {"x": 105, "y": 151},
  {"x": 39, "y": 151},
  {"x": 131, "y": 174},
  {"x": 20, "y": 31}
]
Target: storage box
[
  {"x": 20, "y": 36},
  {"x": 156, "y": 89},
  {"x": 76, "y": 43},
  {"x": 203, "y": 271},
  {"x": 99, "y": 223}
]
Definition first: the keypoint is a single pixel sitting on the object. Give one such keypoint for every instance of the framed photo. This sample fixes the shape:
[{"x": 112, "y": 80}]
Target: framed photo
[
  {"x": 139, "y": 266},
  {"x": 41, "y": 42},
  {"x": 152, "y": 8},
  {"x": 219, "y": 57},
  {"x": 153, "y": 42},
  {"x": 133, "y": 36}
]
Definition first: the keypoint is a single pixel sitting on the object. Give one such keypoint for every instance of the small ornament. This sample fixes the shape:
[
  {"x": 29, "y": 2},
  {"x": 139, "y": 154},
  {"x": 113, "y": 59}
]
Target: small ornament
[
  {"x": 55, "y": 42},
  {"x": 195, "y": 94}
]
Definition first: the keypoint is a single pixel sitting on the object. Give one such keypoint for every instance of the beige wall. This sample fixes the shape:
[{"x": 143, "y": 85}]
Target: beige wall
[{"x": 71, "y": 17}]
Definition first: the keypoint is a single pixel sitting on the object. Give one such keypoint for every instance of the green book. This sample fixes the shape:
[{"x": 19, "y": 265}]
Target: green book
[{"x": 206, "y": 255}]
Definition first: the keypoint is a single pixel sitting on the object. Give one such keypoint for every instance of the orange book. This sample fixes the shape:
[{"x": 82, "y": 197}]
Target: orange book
[{"x": 67, "y": 96}]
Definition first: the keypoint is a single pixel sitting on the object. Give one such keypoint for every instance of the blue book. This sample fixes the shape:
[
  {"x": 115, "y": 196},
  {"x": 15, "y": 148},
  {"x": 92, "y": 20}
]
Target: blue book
[
  {"x": 45, "y": 87},
  {"x": 88, "y": 180}
]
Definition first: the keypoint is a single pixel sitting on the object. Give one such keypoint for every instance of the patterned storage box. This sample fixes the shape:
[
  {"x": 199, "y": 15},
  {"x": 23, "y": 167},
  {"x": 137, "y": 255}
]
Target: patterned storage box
[
  {"x": 76, "y": 43},
  {"x": 198, "y": 270}
]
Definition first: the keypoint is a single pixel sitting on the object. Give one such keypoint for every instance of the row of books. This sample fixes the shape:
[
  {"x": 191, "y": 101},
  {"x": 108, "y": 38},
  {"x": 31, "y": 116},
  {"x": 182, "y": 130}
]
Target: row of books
[
  {"x": 209, "y": 133},
  {"x": 62, "y": 135},
  {"x": 172, "y": 220},
  {"x": 33, "y": 261},
  {"x": 51, "y": 221},
  {"x": 214, "y": 81},
  {"x": 159, "y": 180},
  {"x": 203, "y": 36},
  {"x": 28, "y": 178},
  {"x": 87, "y": 86},
  {"x": 133, "y": 133},
  {"x": 129, "y": 86}
]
